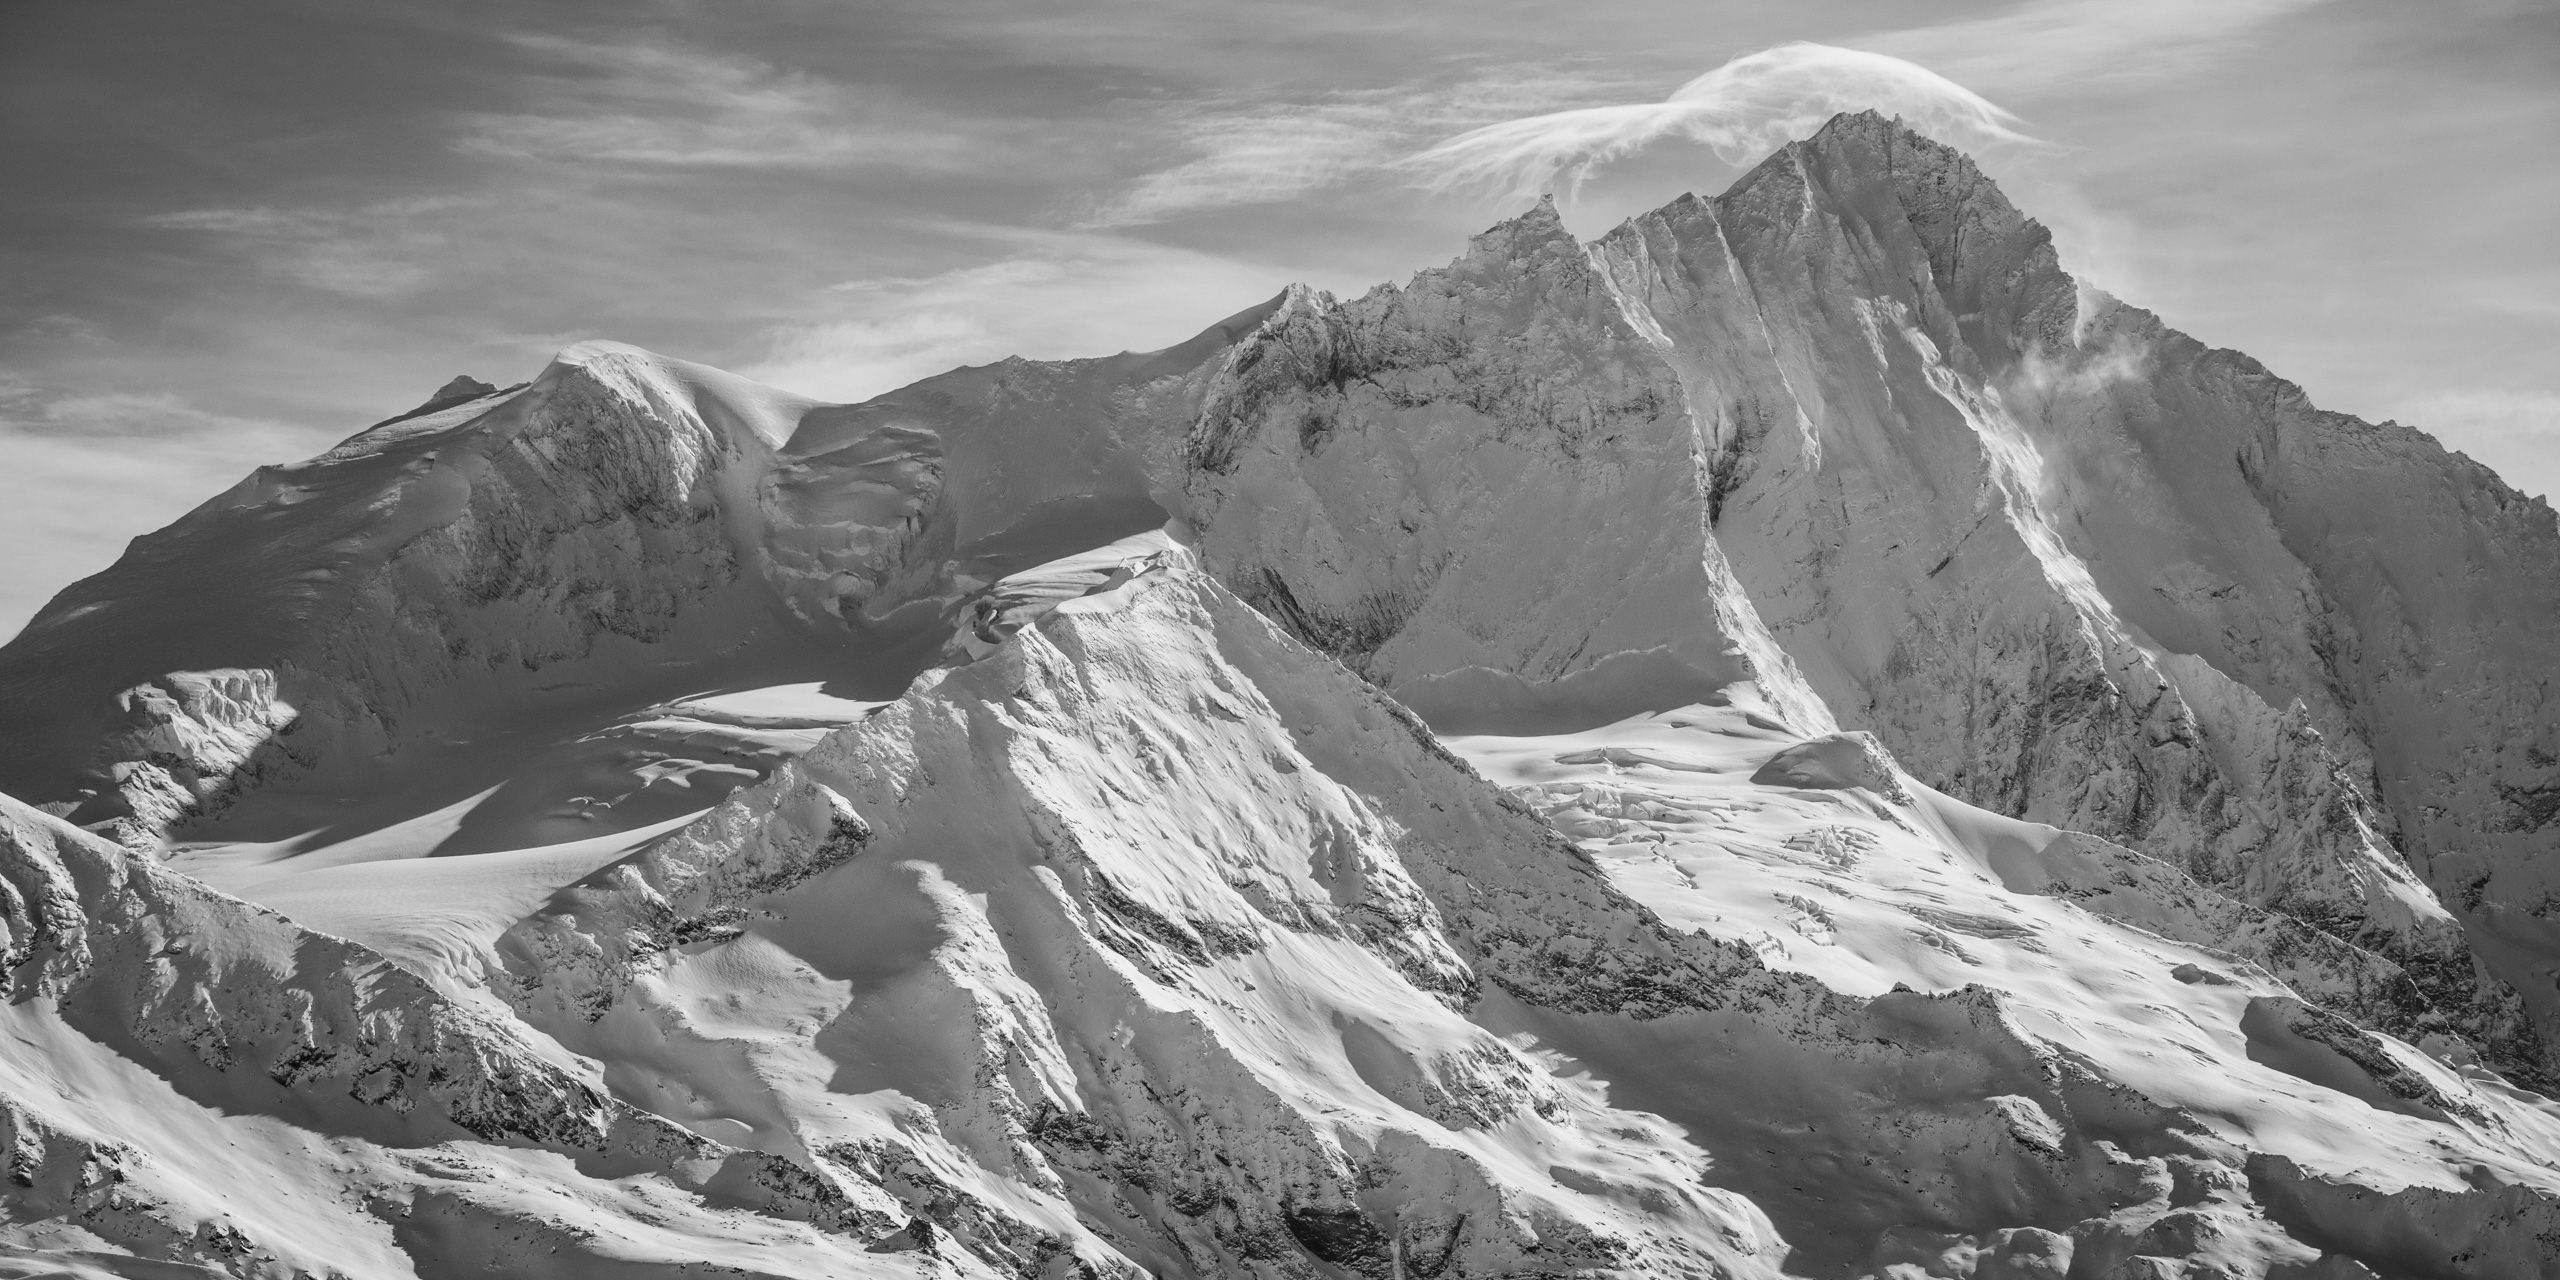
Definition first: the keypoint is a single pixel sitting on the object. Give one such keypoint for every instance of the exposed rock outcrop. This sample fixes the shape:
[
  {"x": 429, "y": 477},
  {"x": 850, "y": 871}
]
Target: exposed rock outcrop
[{"x": 1900, "y": 469}]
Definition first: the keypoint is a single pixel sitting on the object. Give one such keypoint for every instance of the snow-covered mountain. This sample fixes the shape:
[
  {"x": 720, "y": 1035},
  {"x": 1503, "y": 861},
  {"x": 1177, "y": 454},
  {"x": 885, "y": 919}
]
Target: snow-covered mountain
[{"x": 1792, "y": 739}]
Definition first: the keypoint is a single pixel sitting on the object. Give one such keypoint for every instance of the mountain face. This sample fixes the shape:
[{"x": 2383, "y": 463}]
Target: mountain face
[{"x": 1795, "y": 738}]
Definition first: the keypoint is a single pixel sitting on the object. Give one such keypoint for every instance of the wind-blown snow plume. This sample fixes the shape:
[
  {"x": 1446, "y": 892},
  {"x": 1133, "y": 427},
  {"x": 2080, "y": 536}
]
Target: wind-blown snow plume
[{"x": 1744, "y": 108}]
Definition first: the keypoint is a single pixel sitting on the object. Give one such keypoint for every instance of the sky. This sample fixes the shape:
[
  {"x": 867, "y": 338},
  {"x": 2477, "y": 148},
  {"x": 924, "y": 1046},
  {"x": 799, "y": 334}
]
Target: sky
[{"x": 236, "y": 234}]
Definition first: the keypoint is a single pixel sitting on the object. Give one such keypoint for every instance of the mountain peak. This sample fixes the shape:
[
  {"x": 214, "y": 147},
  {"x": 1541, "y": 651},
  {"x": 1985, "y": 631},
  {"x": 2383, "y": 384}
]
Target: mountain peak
[
  {"x": 1925, "y": 172},
  {"x": 1536, "y": 235},
  {"x": 463, "y": 389},
  {"x": 1541, "y": 222},
  {"x": 1907, "y": 146},
  {"x": 1868, "y": 170}
]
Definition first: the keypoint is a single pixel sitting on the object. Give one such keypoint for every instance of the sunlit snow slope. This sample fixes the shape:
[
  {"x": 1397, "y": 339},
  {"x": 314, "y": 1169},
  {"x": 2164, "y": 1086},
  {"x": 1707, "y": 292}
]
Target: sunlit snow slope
[{"x": 1792, "y": 739}]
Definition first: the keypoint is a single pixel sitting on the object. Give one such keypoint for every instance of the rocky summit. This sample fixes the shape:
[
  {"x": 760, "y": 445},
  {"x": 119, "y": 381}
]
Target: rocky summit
[{"x": 1795, "y": 738}]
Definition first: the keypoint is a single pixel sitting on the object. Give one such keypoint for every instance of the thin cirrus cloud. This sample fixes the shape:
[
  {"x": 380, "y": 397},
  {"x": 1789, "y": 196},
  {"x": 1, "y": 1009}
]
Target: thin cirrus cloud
[
  {"x": 1256, "y": 157},
  {"x": 670, "y": 105},
  {"x": 378, "y": 250},
  {"x": 1519, "y": 135},
  {"x": 1749, "y": 105},
  {"x": 29, "y": 410},
  {"x": 1249, "y": 152},
  {"x": 1516, "y": 131},
  {"x": 1055, "y": 296}
]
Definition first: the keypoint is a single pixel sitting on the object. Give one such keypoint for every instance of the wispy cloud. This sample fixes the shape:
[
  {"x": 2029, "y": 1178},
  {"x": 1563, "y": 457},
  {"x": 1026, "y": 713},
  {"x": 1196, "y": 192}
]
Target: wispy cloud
[
  {"x": 669, "y": 105},
  {"x": 1519, "y": 135},
  {"x": 27, "y": 409},
  {"x": 378, "y": 250},
  {"x": 1741, "y": 109},
  {"x": 1054, "y": 297},
  {"x": 1258, "y": 152},
  {"x": 1254, "y": 157}
]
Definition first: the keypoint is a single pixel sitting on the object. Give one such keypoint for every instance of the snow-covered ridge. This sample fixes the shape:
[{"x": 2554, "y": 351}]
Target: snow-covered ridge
[
  {"x": 1198, "y": 950},
  {"x": 196, "y": 1079},
  {"x": 1793, "y": 738}
]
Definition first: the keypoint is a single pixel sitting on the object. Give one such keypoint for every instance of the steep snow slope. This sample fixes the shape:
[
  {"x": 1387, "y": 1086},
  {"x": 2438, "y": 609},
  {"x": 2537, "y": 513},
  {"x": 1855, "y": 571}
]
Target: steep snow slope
[
  {"x": 1903, "y": 470},
  {"x": 1173, "y": 943},
  {"x": 533, "y": 629},
  {"x": 1441, "y": 486},
  {"x": 2113, "y": 630},
  {"x": 1153, "y": 939},
  {"x": 479, "y": 570},
  {"x": 623, "y": 531},
  {"x": 2007, "y": 653},
  {"x": 1825, "y": 859},
  {"x": 190, "y": 1078}
]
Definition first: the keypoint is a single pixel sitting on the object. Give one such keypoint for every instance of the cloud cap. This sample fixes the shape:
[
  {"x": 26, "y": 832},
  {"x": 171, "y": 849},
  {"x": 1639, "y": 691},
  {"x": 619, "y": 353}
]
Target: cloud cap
[{"x": 1750, "y": 105}]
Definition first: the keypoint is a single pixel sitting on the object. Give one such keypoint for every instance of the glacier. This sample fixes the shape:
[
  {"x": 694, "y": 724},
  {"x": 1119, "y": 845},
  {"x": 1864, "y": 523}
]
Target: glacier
[{"x": 1795, "y": 738}]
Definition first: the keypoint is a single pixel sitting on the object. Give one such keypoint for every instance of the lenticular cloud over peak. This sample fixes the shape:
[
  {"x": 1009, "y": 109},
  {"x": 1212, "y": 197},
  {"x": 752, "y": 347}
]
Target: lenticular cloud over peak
[{"x": 1744, "y": 108}]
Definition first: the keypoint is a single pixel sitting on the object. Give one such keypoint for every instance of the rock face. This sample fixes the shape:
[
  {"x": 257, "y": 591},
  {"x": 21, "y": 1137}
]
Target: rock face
[
  {"x": 1434, "y": 484},
  {"x": 1791, "y": 739},
  {"x": 1913, "y": 478},
  {"x": 2111, "y": 631}
]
